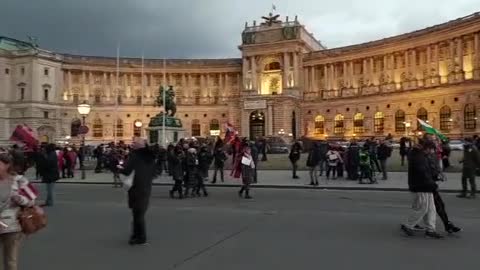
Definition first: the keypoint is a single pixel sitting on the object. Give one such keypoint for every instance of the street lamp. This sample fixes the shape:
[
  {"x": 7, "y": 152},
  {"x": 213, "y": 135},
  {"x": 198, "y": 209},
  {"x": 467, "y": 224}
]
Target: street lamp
[
  {"x": 83, "y": 110},
  {"x": 138, "y": 124}
]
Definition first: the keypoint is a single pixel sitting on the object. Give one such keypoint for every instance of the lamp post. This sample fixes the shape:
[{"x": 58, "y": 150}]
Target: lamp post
[
  {"x": 407, "y": 126},
  {"x": 83, "y": 110}
]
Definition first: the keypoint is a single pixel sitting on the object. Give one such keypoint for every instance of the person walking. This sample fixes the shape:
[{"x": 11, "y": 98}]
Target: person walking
[
  {"x": 204, "y": 161},
  {"x": 49, "y": 172},
  {"x": 422, "y": 186},
  {"x": 12, "y": 199},
  {"x": 141, "y": 162},
  {"x": 471, "y": 161},
  {"x": 403, "y": 150},
  {"x": 248, "y": 167},
  {"x": 219, "y": 162},
  {"x": 384, "y": 151},
  {"x": 177, "y": 170},
  {"x": 313, "y": 160},
  {"x": 294, "y": 156}
]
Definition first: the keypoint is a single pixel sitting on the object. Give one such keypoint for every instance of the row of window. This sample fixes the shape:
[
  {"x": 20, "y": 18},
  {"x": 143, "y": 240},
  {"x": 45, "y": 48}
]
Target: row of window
[
  {"x": 46, "y": 71},
  {"x": 45, "y": 94},
  {"x": 469, "y": 121},
  {"x": 97, "y": 130}
]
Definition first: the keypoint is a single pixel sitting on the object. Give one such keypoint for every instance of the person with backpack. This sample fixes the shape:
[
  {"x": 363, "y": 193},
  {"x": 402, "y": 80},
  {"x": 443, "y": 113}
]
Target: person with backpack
[
  {"x": 384, "y": 151},
  {"x": 333, "y": 158}
]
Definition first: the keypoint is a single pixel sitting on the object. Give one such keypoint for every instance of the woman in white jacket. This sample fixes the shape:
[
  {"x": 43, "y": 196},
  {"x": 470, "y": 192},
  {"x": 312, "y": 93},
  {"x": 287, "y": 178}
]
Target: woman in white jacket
[{"x": 12, "y": 197}]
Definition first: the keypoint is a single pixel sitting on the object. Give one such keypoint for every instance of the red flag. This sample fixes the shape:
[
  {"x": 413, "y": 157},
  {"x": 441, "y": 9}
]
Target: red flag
[
  {"x": 24, "y": 134},
  {"x": 230, "y": 132}
]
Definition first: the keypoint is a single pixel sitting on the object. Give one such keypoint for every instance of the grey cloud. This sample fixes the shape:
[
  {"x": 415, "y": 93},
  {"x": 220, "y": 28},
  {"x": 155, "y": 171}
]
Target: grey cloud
[{"x": 207, "y": 28}]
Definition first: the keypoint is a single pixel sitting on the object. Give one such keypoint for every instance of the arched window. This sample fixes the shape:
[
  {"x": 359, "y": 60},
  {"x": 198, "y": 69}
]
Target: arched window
[
  {"x": 358, "y": 123},
  {"x": 423, "y": 115},
  {"x": 400, "y": 121},
  {"x": 319, "y": 124},
  {"x": 470, "y": 117},
  {"x": 378, "y": 122},
  {"x": 196, "y": 131},
  {"x": 97, "y": 128},
  {"x": 445, "y": 118},
  {"x": 339, "y": 124},
  {"x": 119, "y": 128}
]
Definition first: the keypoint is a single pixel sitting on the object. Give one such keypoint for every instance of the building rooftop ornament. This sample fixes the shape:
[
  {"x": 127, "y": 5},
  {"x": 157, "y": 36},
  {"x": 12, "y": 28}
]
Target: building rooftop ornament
[{"x": 271, "y": 19}]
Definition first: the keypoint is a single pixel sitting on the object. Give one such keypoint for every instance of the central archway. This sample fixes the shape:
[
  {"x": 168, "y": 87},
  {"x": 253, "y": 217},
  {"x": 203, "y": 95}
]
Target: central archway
[{"x": 257, "y": 124}]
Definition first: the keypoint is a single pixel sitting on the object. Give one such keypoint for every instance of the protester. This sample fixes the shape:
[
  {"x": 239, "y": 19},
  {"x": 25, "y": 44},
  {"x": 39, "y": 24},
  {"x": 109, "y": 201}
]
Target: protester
[
  {"x": 141, "y": 162},
  {"x": 49, "y": 172},
  {"x": 384, "y": 151},
  {"x": 333, "y": 158},
  {"x": 446, "y": 150},
  {"x": 204, "y": 161},
  {"x": 313, "y": 160},
  {"x": 71, "y": 162},
  {"x": 294, "y": 156},
  {"x": 366, "y": 166},
  {"x": 12, "y": 198},
  {"x": 322, "y": 163},
  {"x": 191, "y": 177},
  {"x": 248, "y": 167},
  {"x": 422, "y": 184},
  {"x": 177, "y": 170},
  {"x": 352, "y": 160},
  {"x": 471, "y": 161},
  {"x": 219, "y": 162},
  {"x": 403, "y": 149}
]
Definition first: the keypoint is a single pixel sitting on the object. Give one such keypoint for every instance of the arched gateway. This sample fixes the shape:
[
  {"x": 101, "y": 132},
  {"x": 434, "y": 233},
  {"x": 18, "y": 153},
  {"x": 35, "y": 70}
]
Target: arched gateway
[{"x": 257, "y": 124}]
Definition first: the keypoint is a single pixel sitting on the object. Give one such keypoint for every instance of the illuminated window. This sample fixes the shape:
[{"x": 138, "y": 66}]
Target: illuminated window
[
  {"x": 379, "y": 122},
  {"x": 400, "y": 121},
  {"x": 445, "y": 119},
  {"x": 196, "y": 131},
  {"x": 319, "y": 124},
  {"x": 339, "y": 124},
  {"x": 119, "y": 128},
  {"x": 358, "y": 123},
  {"x": 97, "y": 128},
  {"x": 423, "y": 115}
]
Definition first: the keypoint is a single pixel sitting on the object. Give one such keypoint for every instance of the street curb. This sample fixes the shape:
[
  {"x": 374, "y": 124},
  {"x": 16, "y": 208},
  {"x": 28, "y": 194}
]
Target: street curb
[{"x": 306, "y": 187}]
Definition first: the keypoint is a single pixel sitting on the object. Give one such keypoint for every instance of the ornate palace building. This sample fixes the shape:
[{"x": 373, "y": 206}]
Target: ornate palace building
[{"x": 286, "y": 83}]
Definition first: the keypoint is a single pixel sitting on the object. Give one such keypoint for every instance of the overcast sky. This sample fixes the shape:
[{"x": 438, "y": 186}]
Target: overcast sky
[{"x": 209, "y": 28}]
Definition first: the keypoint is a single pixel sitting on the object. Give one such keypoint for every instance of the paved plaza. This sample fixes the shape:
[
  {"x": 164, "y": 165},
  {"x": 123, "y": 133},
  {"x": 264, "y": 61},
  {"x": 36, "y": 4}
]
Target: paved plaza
[
  {"x": 279, "y": 229},
  {"x": 282, "y": 179}
]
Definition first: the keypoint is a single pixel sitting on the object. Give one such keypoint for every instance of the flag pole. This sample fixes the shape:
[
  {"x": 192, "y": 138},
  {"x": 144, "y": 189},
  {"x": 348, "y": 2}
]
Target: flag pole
[
  {"x": 142, "y": 93},
  {"x": 116, "y": 95},
  {"x": 164, "y": 140}
]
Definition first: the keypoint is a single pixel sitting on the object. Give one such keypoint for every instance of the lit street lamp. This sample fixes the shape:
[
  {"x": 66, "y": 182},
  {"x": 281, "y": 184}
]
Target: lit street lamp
[
  {"x": 138, "y": 124},
  {"x": 83, "y": 110}
]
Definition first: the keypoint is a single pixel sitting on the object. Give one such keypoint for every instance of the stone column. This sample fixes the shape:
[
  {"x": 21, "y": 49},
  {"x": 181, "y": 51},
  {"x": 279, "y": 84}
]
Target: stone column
[
  {"x": 226, "y": 86},
  {"x": 414, "y": 64},
  {"x": 351, "y": 75},
  {"x": 429, "y": 58},
  {"x": 184, "y": 85},
  {"x": 346, "y": 83},
  {"x": 111, "y": 87},
  {"x": 313, "y": 83},
  {"x": 190, "y": 87},
  {"x": 254, "y": 72},
  {"x": 84, "y": 84},
  {"x": 325, "y": 77},
  {"x": 436, "y": 62},
  {"x": 295, "y": 68},
  {"x": 407, "y": 63},
  {"x": 269, "y": 120},
  {"x": 245, "y": 72},
  {"x": 334, "y": 76},
  {"x": 392, "y": 68},
  {"x": 69, "y": 82},
  {"x": 452, "y": 56},
  {"x": 364, "y": 74},
  {"x": 372, "y": 70},
  {"x": 286, "y": 69},
  {"x": 476, "y": 59},
  {"x": 203, "y": 88},
  {"x": 460, "y": 54},
  {"x": 306, "y": 81}
]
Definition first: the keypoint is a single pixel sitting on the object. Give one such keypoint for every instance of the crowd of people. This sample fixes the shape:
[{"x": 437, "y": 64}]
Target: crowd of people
[{"x": 358, "y": 162}]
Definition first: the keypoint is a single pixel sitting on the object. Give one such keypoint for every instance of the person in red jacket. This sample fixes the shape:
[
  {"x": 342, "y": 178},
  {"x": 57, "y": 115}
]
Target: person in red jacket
[{"x": 71, "y": 160}]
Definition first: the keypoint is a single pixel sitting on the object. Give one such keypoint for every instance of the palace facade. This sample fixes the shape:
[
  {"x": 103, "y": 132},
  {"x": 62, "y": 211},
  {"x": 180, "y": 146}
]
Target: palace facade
[{"x": 286, "y": 83}]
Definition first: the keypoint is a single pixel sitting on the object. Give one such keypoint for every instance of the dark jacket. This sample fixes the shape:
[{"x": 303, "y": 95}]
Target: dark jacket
[
  {"x": 314, "y": 156},
  {"x": 471, "y": 157},
  {"x": 420, "y": 177},
  {"x": 384, "y": 151},
  {"x": 295, "y": 152},
  {"x": 49, "y": 167},
  {"x": 220, "y": 158},
  {"x": 177, "y": 168},
  {"x": 142, "y": 161}
]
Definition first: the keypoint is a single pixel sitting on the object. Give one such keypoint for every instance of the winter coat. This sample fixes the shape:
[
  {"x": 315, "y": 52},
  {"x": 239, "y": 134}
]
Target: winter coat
[
  {"x": 142, "y": 162},
  {"x": 191, "y": 163},
  {"x": 220, "y": 157},
  {"x": 10, "y": 209},
  {"x": 471, "y": 158},
  {"x": 314, "y": 156},
  {"x": 420, "y": 174},
  {"x": 384, "y": 151},
  {"x": 204, "y": 161},
  {"x": 176, "y": 163},
  {"x": 295, "y": 153},
  {"x": 72, "y": 159},
  {"x": 49, "y": 167},
  {"x": 333, "y": 158},
  {"x": 353, "y": 156},
  {"x": 248, "y": 171}
]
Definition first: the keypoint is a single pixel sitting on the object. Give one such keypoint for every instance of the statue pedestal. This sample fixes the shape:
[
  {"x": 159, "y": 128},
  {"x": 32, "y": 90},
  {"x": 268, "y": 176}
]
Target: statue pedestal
[
  {"x": 173, "y": 130},
  {"x": 172, "y": 135}
]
